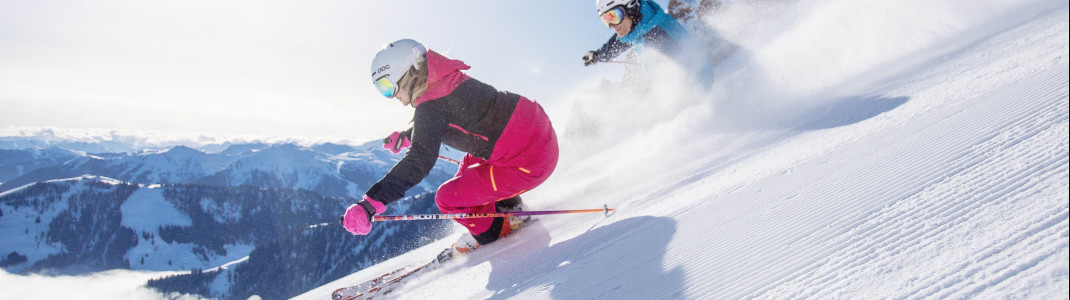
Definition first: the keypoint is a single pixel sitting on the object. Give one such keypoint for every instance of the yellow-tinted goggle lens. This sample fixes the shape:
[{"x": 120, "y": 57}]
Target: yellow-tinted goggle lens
[
  {"x": 613, "y": 16},
  {"x": 385, "y": 87}
]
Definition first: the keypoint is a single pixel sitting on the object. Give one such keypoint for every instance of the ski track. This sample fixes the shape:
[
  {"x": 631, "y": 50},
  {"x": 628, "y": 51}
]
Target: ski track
[
  {"x": 918, "y": 222},
  {"x": 860, "y": 241}
]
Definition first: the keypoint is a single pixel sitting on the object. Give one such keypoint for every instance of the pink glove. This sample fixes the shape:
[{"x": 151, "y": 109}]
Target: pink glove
[
  {"x": 397, "y": 141},
  {"x": 358, "y": 217}
]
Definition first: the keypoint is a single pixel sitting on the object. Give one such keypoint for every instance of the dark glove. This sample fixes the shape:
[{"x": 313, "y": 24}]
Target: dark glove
[
  {"x": 590, "y": 58},
  {"x": 397, "y": 141}
]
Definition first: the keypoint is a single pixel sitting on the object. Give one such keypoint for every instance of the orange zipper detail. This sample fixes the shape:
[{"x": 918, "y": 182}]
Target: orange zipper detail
[
  {"x": 492, "y": 184},
  {"x": 514, "y": 195}
]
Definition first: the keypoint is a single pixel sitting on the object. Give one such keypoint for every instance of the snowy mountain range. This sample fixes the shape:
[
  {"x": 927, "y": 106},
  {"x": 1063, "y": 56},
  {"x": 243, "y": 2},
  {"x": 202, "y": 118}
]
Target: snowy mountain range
[
  {"x": 65, "y": 211},
  {"x": 332, "y": 170}
]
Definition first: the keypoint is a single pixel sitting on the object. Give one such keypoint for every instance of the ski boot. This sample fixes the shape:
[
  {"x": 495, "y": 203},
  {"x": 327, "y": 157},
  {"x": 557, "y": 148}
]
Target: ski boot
[{"x": 501, "y": 227}]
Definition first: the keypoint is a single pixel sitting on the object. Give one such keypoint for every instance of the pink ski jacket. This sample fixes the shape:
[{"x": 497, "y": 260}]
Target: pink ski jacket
[{"x": 456, "y": 110}]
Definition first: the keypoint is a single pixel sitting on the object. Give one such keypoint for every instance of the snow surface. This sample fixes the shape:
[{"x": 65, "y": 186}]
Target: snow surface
[
  {"x": 865, "y": 149},
  {"x": 21, "y": 230},
  {"x": 147, "y": 210}
]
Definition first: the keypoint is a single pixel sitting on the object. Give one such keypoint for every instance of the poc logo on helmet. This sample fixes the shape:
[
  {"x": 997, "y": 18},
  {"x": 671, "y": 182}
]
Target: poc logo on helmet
[{"x": 381, "y": 69}]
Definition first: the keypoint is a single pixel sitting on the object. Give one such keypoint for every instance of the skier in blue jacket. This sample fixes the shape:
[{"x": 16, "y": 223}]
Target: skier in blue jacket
[{"x": 638, "y": 24}]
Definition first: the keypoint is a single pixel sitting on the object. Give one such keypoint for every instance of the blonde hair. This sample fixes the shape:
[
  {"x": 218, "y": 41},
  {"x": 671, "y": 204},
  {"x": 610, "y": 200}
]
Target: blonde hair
[{"x": 415, "y": 80}]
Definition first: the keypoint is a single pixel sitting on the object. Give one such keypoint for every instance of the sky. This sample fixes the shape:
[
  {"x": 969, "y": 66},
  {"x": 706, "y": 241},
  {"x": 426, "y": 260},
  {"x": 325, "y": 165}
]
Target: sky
[{"x": 266, "y": 68}]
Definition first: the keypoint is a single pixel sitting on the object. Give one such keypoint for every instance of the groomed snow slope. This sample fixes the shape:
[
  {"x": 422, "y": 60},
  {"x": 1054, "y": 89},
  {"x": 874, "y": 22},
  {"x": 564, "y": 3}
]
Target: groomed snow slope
[{"x": 938, "y": 169}]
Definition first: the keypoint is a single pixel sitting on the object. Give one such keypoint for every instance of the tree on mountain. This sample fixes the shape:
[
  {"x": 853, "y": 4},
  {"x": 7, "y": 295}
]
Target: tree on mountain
[{"x": 12, "y": 259}]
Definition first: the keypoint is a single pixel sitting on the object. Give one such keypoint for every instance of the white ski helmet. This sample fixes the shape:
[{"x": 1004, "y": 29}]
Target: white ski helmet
[
  {"x": 605, "y": 5},
  {"x": 392, "y": 62}
]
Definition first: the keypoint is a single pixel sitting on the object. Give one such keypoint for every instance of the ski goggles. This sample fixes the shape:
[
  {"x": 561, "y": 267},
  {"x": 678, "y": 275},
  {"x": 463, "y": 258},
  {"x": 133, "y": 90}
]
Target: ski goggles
[
  {"x": 385, "y": 87},
  {"x": 613, "y": 16}
]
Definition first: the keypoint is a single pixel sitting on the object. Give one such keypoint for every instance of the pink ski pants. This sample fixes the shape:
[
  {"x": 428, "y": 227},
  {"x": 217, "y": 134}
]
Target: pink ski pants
[{"x": 524, "y": 157}]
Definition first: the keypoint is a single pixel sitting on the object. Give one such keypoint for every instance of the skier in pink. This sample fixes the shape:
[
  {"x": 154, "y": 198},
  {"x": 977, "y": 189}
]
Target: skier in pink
[{"x": 510, "y": 144}]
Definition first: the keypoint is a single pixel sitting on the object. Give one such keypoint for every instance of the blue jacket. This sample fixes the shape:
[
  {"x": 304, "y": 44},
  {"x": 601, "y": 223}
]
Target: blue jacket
[
  {"x": 664, "y": 33},
  {"x": 656, "y": 29}
]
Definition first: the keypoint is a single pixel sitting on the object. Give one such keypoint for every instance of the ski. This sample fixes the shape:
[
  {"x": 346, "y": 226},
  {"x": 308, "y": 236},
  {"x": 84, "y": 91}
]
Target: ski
[
  {"x": 382, "y": 286},
  {"x": 386, "y": 283},
  {"x": 342, "y": 293},
  {"x": 388, "y": 286}
]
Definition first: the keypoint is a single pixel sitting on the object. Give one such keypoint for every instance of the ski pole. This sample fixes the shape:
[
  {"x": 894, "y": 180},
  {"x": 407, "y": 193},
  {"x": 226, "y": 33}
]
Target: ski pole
[
  {"x": 454, "y": 161},
  {"x": 604, "y": 210}
]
